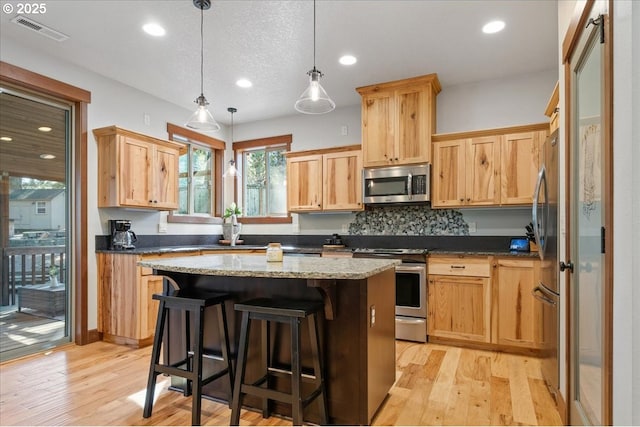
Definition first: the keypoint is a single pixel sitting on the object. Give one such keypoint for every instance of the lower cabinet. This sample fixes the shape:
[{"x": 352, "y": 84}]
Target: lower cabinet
[
  {"x": 518, "y": 315},
  {"x": 485, "y": 300},
  {"x": 460, "y": 298},
  {"x": 127, "y": 312}
]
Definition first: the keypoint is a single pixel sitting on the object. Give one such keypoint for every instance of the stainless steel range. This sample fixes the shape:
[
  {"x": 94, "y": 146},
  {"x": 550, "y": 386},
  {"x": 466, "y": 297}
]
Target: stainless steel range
[{"x": 411, "y": 289}]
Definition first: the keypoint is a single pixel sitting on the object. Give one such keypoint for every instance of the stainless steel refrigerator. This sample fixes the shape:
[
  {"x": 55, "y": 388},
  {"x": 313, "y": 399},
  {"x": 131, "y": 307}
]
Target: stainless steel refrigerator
[{"x": 545, "y": 220}]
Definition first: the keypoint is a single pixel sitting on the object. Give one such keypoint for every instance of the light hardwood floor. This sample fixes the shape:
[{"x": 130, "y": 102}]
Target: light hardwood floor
[{"x": 104, "y": 384}]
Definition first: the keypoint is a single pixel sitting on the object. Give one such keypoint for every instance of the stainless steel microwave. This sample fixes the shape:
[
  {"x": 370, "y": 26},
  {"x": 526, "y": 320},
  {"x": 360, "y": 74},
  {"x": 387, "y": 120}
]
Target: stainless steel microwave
[{"x": 396, "y": 184}]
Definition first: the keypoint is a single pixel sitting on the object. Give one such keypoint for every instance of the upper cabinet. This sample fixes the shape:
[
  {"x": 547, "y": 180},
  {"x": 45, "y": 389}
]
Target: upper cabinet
[
  {"x": 325, "y": 180},
  {"x": 495, "y": 167},
  {"x": 553, "y": 109},
  {"x": 398, "y": 119},
  {"x": 466, "y": 172},
  {"x": 136, "y": 170}
]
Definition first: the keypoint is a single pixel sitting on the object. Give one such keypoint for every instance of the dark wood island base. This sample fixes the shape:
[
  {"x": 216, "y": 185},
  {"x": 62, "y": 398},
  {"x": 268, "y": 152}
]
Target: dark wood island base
[{"x": 357, "y": 331}]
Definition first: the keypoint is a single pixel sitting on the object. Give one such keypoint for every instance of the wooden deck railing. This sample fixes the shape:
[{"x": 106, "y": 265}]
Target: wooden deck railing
[{"x": 29, "y": 265}]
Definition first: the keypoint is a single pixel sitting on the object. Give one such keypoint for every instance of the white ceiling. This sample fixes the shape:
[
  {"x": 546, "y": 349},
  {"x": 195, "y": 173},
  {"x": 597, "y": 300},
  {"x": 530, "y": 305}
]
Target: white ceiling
[{"x": 271, "y": 43}]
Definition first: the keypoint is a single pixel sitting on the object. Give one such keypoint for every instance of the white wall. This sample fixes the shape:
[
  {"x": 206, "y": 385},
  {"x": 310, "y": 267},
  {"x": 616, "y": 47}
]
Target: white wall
[{"x": 626, "y": 217}]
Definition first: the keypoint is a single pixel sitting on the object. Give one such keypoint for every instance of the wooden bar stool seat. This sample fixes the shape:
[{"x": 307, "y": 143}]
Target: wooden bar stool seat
[
  {"x": 290, "y": 312},
  {"x": 192, "y": 303}
]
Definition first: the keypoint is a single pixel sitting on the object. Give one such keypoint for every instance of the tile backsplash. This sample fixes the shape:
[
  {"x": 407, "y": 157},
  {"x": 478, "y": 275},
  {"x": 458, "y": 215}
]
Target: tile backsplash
[{"x": 409, "y": 221}]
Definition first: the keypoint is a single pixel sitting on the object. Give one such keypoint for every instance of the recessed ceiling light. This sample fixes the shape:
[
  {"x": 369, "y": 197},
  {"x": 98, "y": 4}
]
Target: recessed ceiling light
[
  {"x": 348, "y": 60},
  {"x": 244, "y": 83},
  {"x": 154, "y": 29},
  {"x": 6, "y": 138},
  {"x": 44, "y": 129},
  {"x": 493, "y": 27},
  {"x": 47, "y": 156}
]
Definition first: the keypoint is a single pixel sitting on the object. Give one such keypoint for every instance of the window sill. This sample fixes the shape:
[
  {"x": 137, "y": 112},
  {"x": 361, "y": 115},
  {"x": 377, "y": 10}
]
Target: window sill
[
  {"x": 266, "y": 220},
  {"x": 193, "y": 219}
]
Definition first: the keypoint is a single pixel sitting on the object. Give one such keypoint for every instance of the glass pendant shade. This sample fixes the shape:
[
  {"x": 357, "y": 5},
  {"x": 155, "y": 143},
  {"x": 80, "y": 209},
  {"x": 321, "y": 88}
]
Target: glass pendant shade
[
  {"x": 314, "y": 100},
  {"x": 202, "y": 119},
  {"x": 232, "y": 171}
]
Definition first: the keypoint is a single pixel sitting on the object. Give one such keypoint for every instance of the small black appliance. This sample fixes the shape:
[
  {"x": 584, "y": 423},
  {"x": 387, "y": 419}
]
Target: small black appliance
[{"x": 121, "y": 236}]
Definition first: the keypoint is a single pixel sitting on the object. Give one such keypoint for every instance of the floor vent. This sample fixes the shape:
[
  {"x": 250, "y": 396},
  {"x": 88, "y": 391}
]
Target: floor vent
[{"x": 39, "y": 28}]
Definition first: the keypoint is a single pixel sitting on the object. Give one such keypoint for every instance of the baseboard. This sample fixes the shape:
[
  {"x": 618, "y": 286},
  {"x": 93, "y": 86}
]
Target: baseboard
[
  {"x": 562, "y": 408},
  {"x": 93, "y": 336}
]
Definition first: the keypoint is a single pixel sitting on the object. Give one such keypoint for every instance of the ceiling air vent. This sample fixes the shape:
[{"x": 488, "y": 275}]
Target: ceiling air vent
[{"x": 39, "y": 28}]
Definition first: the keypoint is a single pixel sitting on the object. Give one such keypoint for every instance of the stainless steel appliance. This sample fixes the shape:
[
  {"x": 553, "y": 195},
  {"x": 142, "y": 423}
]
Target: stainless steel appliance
[
  {"x": 396, "y": 184},
  {"x": 122, "y": 237},
  {"x": 545, "y": 226},
  {"x": 411, "y": 290}
]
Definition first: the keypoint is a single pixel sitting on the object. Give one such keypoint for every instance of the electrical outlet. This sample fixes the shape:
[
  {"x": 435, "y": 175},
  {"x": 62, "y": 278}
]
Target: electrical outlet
[
  {"x": 472, "y": 227},
  {"x": 162, "y": 227},
  {"x": 345, "y": 228},
  {"x": 147, "y": 119},
  {"x": 344, "y": 130},
  {"x": 373, "y": 315}
]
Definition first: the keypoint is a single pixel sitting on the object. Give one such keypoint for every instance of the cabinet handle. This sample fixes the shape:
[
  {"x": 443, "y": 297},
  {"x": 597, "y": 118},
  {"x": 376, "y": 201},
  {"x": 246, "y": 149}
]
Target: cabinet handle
[
  {"x": 461, "y": 200},
  {"x": 469, "y": 199},
  {"x": 396, "y": 159},
  {"x": 458, "y": 266}
]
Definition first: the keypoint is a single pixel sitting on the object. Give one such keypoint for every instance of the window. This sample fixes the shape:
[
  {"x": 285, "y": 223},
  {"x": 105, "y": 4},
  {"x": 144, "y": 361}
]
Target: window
[
  {"x": 41, "y": 208},
  {"x": 199, "y": 191},
  {"x": 262, "y": 186}
]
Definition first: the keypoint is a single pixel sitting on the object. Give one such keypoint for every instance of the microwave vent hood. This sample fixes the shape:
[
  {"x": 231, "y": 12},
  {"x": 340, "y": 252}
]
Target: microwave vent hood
[{"x": 397, "y": 185}]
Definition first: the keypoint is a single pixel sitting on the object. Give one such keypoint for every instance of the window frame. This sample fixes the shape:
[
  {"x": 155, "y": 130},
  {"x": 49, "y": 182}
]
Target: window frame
[
  {"x": 239, "y": 148},
  {"x": 217, "y": 149}
]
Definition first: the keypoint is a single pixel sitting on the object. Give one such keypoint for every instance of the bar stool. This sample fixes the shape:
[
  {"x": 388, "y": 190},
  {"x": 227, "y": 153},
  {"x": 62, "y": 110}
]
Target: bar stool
[
  {"x": 288, "y": 312},
  {"x": 191, "y": 302}
]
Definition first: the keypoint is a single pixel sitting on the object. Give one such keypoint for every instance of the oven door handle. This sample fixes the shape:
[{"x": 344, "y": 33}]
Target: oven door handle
[
  {"x": 404, "y": 268},
  {"x": 409, "y": 321}
]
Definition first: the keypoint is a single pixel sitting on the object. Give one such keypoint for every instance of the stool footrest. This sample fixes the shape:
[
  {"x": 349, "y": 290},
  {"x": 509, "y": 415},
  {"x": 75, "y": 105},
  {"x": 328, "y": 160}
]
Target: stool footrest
[{"x": 277, "y": 395}]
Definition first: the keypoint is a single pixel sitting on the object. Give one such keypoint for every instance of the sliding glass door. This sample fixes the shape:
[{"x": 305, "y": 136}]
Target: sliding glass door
[{"x": 35, "y": 206}]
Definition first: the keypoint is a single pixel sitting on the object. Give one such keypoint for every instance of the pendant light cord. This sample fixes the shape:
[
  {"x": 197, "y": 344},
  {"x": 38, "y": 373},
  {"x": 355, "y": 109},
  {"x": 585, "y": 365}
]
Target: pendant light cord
[
  {"x": 314, "y": 34},
  {"x": 202, "y": 48}
]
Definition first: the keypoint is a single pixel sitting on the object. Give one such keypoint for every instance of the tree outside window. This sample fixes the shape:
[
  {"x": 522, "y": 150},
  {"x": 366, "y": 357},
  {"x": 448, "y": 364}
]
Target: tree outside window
[
  {"x": 265, "y": 182},
  {"x": 195, "y": 181}
]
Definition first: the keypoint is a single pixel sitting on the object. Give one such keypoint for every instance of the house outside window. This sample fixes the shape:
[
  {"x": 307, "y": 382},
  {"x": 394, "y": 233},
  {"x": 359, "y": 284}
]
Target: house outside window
[
  {"x": 41, "y": 208},
  {"x": 261, "y": 189}
]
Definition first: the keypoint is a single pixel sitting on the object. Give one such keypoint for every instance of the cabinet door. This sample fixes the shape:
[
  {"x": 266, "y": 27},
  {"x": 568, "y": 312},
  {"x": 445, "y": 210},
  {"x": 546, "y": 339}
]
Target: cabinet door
[
  {"x": 482, "y": 169},
  {"x": 148, "y": 308},
  {"x": 165, "y": 178},
  {"x": 448, "y": 174},
  {"x": 342, "y": 176},
  {"x": 304, "y": 183},
  {"x": 459, "y": 308},
  {"x": 414, "y": 128},
  {"x": 519, "y": 314},
  {"x": 135, "y": 172},
  {"x": 378, "y": 129},
  {"x": 520, "y": 158}
]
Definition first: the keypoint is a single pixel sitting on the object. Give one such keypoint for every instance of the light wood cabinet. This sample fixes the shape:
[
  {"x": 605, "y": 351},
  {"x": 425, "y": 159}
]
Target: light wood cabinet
[
  {"x": 459, "y": 301},
  {"x": 466, "y": 172},
  {"x": 136, "y": 170},
  {"x": 518, "y": 314},
  {"x": 553, "y": 109},
  {"x": 325, "y": 180},
  {"x": 494, "y": 167},
  {"x": 127, "y": 312},
  {"x": 520, "y": 164},
  {"x": 398, "y": 119}
]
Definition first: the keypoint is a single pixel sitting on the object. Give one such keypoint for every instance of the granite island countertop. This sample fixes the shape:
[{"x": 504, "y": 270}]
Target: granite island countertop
[{"x": 290, "y": 268}]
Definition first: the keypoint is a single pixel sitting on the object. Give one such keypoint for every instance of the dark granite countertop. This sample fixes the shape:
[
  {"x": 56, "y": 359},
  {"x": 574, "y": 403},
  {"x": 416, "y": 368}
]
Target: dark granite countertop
[{"x": 485, "y": 253}]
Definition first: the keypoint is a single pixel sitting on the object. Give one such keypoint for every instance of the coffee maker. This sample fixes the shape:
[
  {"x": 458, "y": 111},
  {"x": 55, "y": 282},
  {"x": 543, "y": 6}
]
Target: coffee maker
[{"x": 121, "y": 236}]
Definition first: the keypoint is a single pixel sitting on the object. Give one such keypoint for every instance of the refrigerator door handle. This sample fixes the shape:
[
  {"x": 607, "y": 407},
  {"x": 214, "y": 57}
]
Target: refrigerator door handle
[
  {"x": 541, "y": 239},
  {"x": 540, "y": 296}
]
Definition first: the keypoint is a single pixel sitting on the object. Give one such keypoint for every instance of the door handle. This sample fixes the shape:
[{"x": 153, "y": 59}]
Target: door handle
[
  {"x": 567, "y": 266},
  {"x": 540, "y": 297}
]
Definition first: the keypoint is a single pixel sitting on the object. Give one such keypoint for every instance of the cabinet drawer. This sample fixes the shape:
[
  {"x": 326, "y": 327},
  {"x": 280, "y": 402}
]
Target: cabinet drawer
[{"x": 456, "y": 266}]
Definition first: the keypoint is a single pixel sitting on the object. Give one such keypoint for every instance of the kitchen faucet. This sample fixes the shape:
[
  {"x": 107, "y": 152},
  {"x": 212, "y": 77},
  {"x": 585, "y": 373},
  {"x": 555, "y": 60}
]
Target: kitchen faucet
[{"x": 235, "y": 229}]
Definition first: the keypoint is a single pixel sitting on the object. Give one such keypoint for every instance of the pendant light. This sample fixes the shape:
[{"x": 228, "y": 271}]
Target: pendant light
[
  {"x": 202, "y": 119},
  {"x": 232, "y": 171},
  {"x": 314, "y": 100}
]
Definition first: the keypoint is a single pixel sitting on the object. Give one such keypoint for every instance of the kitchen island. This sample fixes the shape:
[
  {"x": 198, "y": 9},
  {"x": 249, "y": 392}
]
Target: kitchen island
[{"x": 357, "y": 331}]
